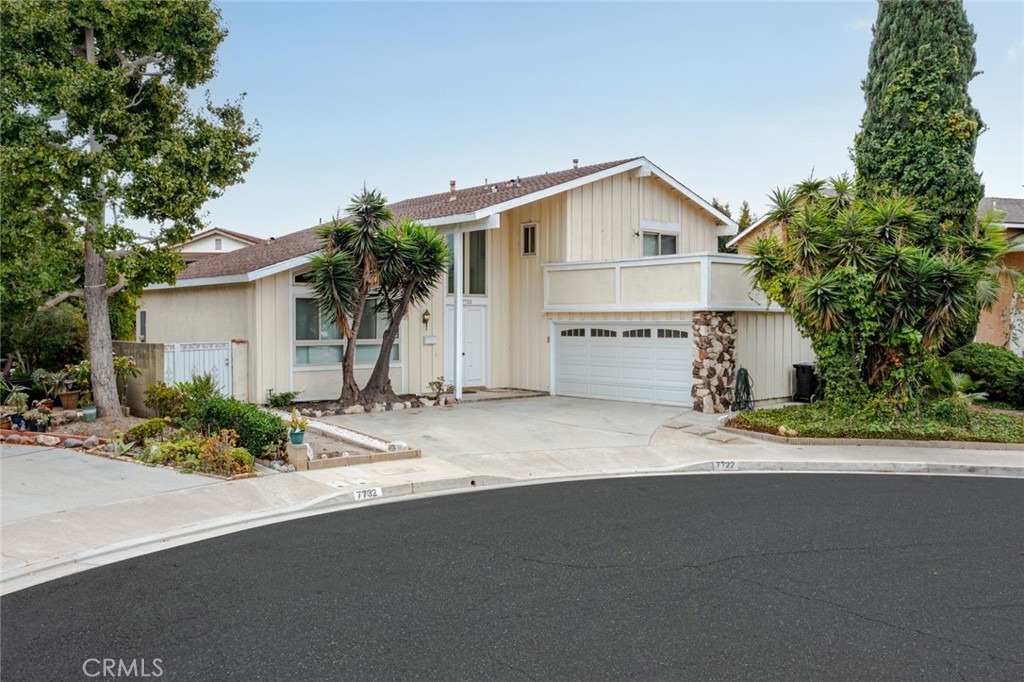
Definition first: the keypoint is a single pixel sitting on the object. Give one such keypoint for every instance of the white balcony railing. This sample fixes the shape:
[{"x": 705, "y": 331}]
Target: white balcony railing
[{"x": 696, "y": 281}]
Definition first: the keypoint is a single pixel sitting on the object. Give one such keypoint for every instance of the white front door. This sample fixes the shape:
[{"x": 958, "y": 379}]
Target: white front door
[
  {"x": 474, "y": 344},
  {"x": 646, "y": 362}
]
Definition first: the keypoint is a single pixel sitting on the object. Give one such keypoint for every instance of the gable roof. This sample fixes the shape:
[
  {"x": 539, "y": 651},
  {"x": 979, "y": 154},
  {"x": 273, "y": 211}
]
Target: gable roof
[
  {"x": 240, "y": 236},
  {"x": 471, "y": 204},
  {"x": 1012, "y": 208}
]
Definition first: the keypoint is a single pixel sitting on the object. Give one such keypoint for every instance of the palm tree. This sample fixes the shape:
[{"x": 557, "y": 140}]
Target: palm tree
[
  {"x": 412, "y": 260},
  {"x": 357, "y": 236}
]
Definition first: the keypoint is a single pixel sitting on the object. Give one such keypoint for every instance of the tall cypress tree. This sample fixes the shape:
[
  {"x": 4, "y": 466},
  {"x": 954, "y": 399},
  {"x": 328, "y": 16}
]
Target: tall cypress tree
[{"x": 919, "y": 131}]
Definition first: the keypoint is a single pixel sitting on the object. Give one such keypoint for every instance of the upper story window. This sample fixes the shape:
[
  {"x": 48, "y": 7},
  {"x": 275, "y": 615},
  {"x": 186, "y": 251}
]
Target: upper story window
[
  {"x": 218, "y": 244},
  {"x": 659, "y": 244},
  {"x": 529, "y": 243}
]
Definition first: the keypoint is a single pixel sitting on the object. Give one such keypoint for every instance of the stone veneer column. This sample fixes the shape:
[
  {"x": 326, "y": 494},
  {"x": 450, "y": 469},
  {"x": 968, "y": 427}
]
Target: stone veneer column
[{"x": 714, "y": 361}]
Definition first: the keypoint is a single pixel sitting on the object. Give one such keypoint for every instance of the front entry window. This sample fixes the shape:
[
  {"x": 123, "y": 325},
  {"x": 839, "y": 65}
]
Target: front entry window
[{"x": 474, "y": 269}]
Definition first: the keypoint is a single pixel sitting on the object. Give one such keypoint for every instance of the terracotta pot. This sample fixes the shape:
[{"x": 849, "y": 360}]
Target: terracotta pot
[{"x": 69, "y": 399}]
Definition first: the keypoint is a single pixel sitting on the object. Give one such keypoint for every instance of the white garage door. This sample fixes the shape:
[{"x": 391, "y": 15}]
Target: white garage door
[{"x": 643, "y": 362}]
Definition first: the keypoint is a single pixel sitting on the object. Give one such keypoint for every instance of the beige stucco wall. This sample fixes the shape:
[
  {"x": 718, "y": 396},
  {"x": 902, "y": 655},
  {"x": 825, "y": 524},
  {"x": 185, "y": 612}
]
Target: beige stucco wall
[
  {"x": 216, "y": 313},
  {"x": 767, "y": 345},
  {"x": 581, "y": 287},
  {"x": 731, "y": 287},
  {"x": 660, "y": 283}
]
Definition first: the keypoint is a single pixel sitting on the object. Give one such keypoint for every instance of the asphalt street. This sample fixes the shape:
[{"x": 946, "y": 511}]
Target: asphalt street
[{"x": 725, "y": 577}]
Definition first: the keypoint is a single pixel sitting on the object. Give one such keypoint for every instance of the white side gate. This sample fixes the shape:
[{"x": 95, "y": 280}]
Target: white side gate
[{"x": 182, "y": 361}]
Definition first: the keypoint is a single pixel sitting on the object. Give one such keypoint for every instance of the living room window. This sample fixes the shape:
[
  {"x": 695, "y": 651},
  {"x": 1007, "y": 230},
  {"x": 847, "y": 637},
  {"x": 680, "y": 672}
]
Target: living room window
[
  {"x": 318, "y": 342},
  {"x": 659, "y": 244}
]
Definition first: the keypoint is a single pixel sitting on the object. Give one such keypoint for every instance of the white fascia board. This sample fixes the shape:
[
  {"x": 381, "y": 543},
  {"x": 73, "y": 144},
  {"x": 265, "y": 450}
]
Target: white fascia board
[
  {"x": 533, "y": 196},
  {"x": 489, "y": 222},
  {"x": 728, "y": 222},
  {"x": 758, "y": 223}
]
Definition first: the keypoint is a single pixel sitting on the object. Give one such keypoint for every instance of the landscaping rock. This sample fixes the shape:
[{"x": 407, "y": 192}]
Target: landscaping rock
[
  {"x": 379, "y": 407},
  {"x": 306, "y": 412},
  {"x": 426, "y": 403},
  {"x": 49, "y": 441},
  {"x": 13, "y": 439},
  {"x": 109, "y": 447},
  {"x": 91, "y": 442},
  {"x": 396, "y": 445},
  {"x": 355, "y": 409},
  {"x": 70, "y": 416},
  {"x": 398, "y": 406},
  {"x": 408, "y": 404},
  {"x": 318, "y": 413},
  {"x": 73, "y": 443}
]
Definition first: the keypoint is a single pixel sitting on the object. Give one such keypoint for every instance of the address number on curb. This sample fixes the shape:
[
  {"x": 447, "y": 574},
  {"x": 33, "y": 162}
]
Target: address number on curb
[
  {"x": 367, "y": 494},
  {"x": 723, "y": 465}
]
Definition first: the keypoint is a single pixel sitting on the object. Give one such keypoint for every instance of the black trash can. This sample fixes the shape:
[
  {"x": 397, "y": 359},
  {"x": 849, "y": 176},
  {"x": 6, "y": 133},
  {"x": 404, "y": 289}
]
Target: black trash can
[{"x": 806, "y": 383}]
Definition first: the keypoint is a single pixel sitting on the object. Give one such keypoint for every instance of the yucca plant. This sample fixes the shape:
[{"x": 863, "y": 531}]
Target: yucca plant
[{"x": 866, "y": 279}]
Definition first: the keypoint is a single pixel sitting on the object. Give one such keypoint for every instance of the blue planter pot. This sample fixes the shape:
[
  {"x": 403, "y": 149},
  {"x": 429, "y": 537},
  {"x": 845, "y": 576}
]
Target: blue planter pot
[
  {"x": 297, "y": 437},
  {"x": 18, "y": 422},
  {"x": 89, "y": 413}
]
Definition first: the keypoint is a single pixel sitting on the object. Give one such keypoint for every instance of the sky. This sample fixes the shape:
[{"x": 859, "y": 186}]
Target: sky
[{"x": 732, "y": 99}]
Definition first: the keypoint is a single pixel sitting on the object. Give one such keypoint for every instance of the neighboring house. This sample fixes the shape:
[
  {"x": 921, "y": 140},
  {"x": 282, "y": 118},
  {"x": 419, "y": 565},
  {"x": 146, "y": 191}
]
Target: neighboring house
[
  {"x": 1004, "y": 324},
  {"x": 598, "y": 281},
  {"x": 1001, "y": 326},
  {"x": 215, "y": 242}
]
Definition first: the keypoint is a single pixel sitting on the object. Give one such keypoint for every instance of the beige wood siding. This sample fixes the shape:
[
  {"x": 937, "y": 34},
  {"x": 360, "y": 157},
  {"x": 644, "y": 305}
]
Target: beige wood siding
[
  {"x": 519, "y": 327},
  {"x": 270, "y": 355},
  {"x": 425, "y": 361},
  {"x": 604, "y": 218},
  {"x": 768, "y": 344}
]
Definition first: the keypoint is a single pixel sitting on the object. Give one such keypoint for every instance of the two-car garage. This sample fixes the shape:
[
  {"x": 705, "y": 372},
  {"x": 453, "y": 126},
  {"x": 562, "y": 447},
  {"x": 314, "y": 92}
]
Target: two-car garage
[{"x": 638, "y": 362}]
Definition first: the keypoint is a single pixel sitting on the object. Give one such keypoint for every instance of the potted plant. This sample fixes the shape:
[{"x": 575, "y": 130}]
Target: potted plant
[
  {"x": 297, "y": 428},
  {"x": 66, "y": 390},
  {"x": 36, "y": 419},
  {"x": 87, "y": 408},
  {"x": 16, "y": 403},
  {"x": 125, "y": 368}
]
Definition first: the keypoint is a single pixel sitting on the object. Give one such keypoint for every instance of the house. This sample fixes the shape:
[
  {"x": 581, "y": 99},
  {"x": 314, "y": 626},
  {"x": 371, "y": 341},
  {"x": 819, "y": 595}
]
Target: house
[
  {"x": 1003, "y": 325},
  {"x": 215, "y": 242},
  {"x": 598, "y": 281}
]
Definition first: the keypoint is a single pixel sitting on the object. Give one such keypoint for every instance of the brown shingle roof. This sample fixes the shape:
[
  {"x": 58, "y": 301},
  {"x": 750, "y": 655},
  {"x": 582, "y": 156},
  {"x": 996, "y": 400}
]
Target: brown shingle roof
[{"x": 468, "y": 200}]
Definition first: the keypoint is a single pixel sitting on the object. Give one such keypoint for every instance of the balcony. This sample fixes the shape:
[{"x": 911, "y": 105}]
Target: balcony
[{"x": 696, "y": 281}]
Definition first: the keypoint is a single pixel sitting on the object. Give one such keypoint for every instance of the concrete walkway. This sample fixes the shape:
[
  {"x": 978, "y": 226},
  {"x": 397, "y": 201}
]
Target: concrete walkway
[{"x": 51, "y": 531}]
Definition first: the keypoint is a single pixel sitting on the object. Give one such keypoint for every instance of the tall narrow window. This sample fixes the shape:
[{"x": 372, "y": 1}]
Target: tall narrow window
[
  {"x": 142, "y": 326},
  {"x": 530, "y": 239},
  {"x": 477, "y": 263},
  {"x": 451, "y": 264}
]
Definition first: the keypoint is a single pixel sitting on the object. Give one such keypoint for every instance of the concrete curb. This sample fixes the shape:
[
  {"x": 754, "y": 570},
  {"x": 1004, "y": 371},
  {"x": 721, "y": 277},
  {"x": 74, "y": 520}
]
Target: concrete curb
[
  {"x": 40, "y": 572},
  {"x": 877, "y": 442}
]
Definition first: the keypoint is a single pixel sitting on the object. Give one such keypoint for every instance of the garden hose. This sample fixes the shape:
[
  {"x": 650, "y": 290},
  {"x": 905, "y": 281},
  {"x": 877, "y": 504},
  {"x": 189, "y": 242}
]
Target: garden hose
[{"x": 744, "y": 391}]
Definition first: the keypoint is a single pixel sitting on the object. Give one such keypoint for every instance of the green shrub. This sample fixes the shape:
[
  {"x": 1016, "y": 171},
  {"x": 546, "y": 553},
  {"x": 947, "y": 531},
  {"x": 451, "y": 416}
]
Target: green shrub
[
  {"x": 220, "y": 455},
  {"x": 259, "y": 432},
  {"x": 1000, "y": 372},
  {"x": 166, "y": 400},
  {"x": 950, "y": 411},
  {"x": 149, "y": 430},
  {"x": 282, "y": 399},
  {"x": 182, "y": 452}
]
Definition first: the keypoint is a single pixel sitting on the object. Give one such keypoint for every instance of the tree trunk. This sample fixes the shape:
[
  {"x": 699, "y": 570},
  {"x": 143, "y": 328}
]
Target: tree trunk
[
  {"x": 379, "y": 386},
  {"x": 350, "y": 394},
  {"x": 101, "y": 347}
]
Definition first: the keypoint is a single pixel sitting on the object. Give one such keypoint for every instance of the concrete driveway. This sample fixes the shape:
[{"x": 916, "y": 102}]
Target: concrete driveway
[{"x": 521, "y": 425}]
